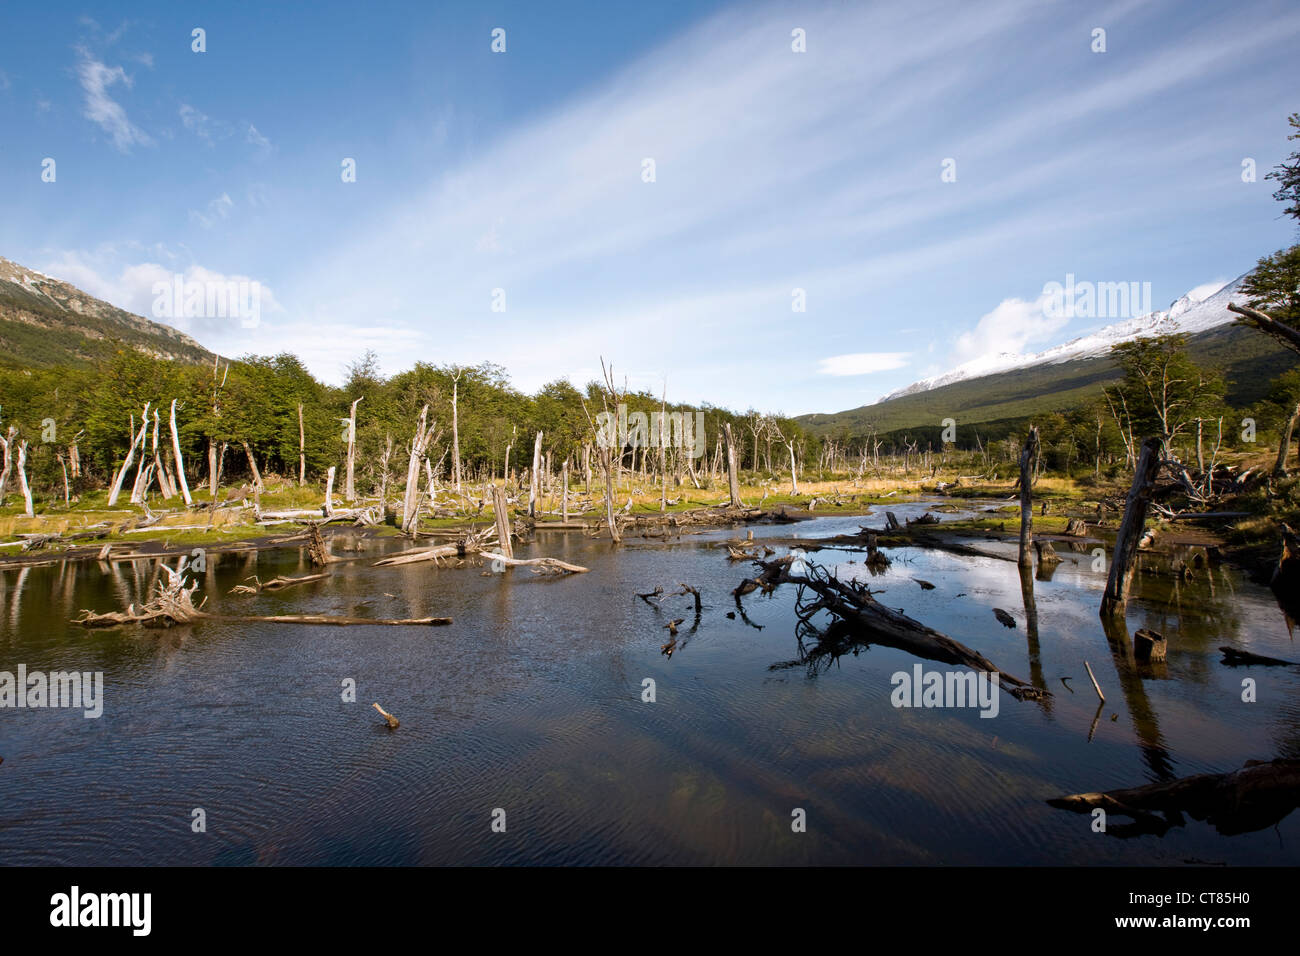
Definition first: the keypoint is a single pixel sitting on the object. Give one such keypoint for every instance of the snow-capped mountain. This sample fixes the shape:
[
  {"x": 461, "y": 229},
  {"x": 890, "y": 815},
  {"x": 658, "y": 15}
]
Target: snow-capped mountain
[{"x": 1185, "y": 315}]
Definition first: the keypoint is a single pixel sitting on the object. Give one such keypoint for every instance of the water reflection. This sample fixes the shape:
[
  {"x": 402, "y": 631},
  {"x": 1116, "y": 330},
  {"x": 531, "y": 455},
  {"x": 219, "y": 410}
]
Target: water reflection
[{"x": 532, "y": 701}]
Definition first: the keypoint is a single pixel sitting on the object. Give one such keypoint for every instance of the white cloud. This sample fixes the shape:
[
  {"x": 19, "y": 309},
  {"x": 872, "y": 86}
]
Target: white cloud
[
  {"x": 131, "y": 287},
  {"x": 1009, "y": 328},
  {"x": 1205, "y": 290},
  {"x": 96, "y": 80},
  {"x": 862, "y": 363}
]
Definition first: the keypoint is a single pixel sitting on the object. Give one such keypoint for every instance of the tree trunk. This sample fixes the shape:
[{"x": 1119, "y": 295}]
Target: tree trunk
[
  {"x": 733, "y": 480},
  {"x": 534, "y": 477},
  {"x": 411, "y": 494},
  {"x": 22, "y": 479},
  {"x": 1028, "y": 455},
  {"x": 252, "y": 466},
  {"x": 1284, "y": 444},
  {"x": 180, "y": 462},
  {"x": 350, "y": 487},
  {"x": 140, "y": 486},
  {"x": 8, "y": 447},
  {"x": 302, "y": 450},
  {"x": 126, "y": 465},
  {"x": 212, "y": 468},
  {"x": 329, "y": 492},
  {"x": 502, "y": 514},
  {"x": 455, "y": 435},
  {"x": 1114, "y": 601}
]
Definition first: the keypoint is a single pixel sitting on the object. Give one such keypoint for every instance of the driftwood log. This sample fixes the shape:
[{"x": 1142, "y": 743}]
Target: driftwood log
[
  {"x": 873, "y": 623},
  {"x": 543, "y": 565},
  {"x": 1257, "y": 796},
  {"x": 1236, "y": 658}
]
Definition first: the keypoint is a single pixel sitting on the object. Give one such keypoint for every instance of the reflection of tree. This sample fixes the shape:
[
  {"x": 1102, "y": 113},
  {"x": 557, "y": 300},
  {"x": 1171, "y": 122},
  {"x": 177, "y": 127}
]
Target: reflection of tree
[
  {"x": 1031, "y": 631},
  {"x": 1145, "y": 723}
]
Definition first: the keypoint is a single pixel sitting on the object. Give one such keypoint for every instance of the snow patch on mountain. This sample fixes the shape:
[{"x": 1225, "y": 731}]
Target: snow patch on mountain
[{"x": 1187, "y": 314}]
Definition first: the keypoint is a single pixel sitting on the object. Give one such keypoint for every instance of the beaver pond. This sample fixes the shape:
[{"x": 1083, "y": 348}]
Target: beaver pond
[{"x": 532, "y": 703}]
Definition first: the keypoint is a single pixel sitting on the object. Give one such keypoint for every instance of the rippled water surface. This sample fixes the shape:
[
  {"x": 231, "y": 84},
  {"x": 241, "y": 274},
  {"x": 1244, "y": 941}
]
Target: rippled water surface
[{"x": 531, "y": 702}]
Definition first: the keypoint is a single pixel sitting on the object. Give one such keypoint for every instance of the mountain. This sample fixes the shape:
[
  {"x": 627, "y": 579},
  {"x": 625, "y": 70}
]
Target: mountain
[
  {"x": 46, "y": 322},
  {"x": 1003, "y": 392},
  {"x": 1186, "y": 315}
]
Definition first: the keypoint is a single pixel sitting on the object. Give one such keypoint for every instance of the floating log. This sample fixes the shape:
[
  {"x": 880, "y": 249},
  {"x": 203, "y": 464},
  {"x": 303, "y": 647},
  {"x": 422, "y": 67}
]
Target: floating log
[
  {"x": 277, "y": 583},
  {"x": 1005, "y": 619},
  {"x": 1095, "y": 686},
  {"x": 422, "y": 554},
  {"x": 1253, "y": 798},
  {"x": 554, "y": 565},
  {"x": 1236, "y": 658}
]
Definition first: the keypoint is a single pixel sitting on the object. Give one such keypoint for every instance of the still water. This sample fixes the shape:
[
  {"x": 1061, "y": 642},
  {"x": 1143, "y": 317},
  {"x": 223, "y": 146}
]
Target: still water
[{"x": 531, "y": 702}]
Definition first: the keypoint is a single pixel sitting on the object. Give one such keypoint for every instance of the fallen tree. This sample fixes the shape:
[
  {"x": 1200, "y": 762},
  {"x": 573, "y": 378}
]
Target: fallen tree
[
  {"x": 173, "y": 603},
  {"x": 1257, "y": 796},
  {"x": 541, "y": 565},
  {"x": 864, "y": 620}
]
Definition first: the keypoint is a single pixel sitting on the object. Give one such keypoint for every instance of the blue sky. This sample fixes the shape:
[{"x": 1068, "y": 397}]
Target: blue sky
[{"x": 523, "y": 171}]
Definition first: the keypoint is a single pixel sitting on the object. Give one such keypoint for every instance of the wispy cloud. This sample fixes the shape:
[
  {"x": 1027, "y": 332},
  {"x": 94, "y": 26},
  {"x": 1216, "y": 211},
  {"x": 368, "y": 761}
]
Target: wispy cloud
[
  {"x": 216, "y": 210},
  {"x": 97, "y": 78},
  {"x": 863, "y": 363}
]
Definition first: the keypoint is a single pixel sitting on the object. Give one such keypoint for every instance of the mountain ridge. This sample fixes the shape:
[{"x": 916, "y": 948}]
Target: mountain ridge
[{"x": 45, "y": 321}]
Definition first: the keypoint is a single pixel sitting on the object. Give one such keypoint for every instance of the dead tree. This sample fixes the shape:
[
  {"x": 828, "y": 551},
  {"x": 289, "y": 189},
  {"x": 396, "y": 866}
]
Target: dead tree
[
  {"x": 411, "y": 495},
  {"x": 1138, "y": 503},
  {"x": 1028, "y": 456},
  {"x": 180, "y": 461},
  {"x": 733, "y": 479},
  {"x": 502, "y": 514},
  {"x": 534, "y": 477},
  {"x": 137, "y": 439},
  {"x": 455, "y": 430},
  {"x": 252, "y": 466},
  {"x": 1284, "y": 443},
  {"x": 1265, "y": 323},
  {"x": 349, "y": 482},
  {"x": 7, "y": 446},
  {"x": 302, "y": 450},
  {"x": 22, "y": 480},
  {"x": 606, "y": 440},
  {"x": 868, "y": 621}
]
